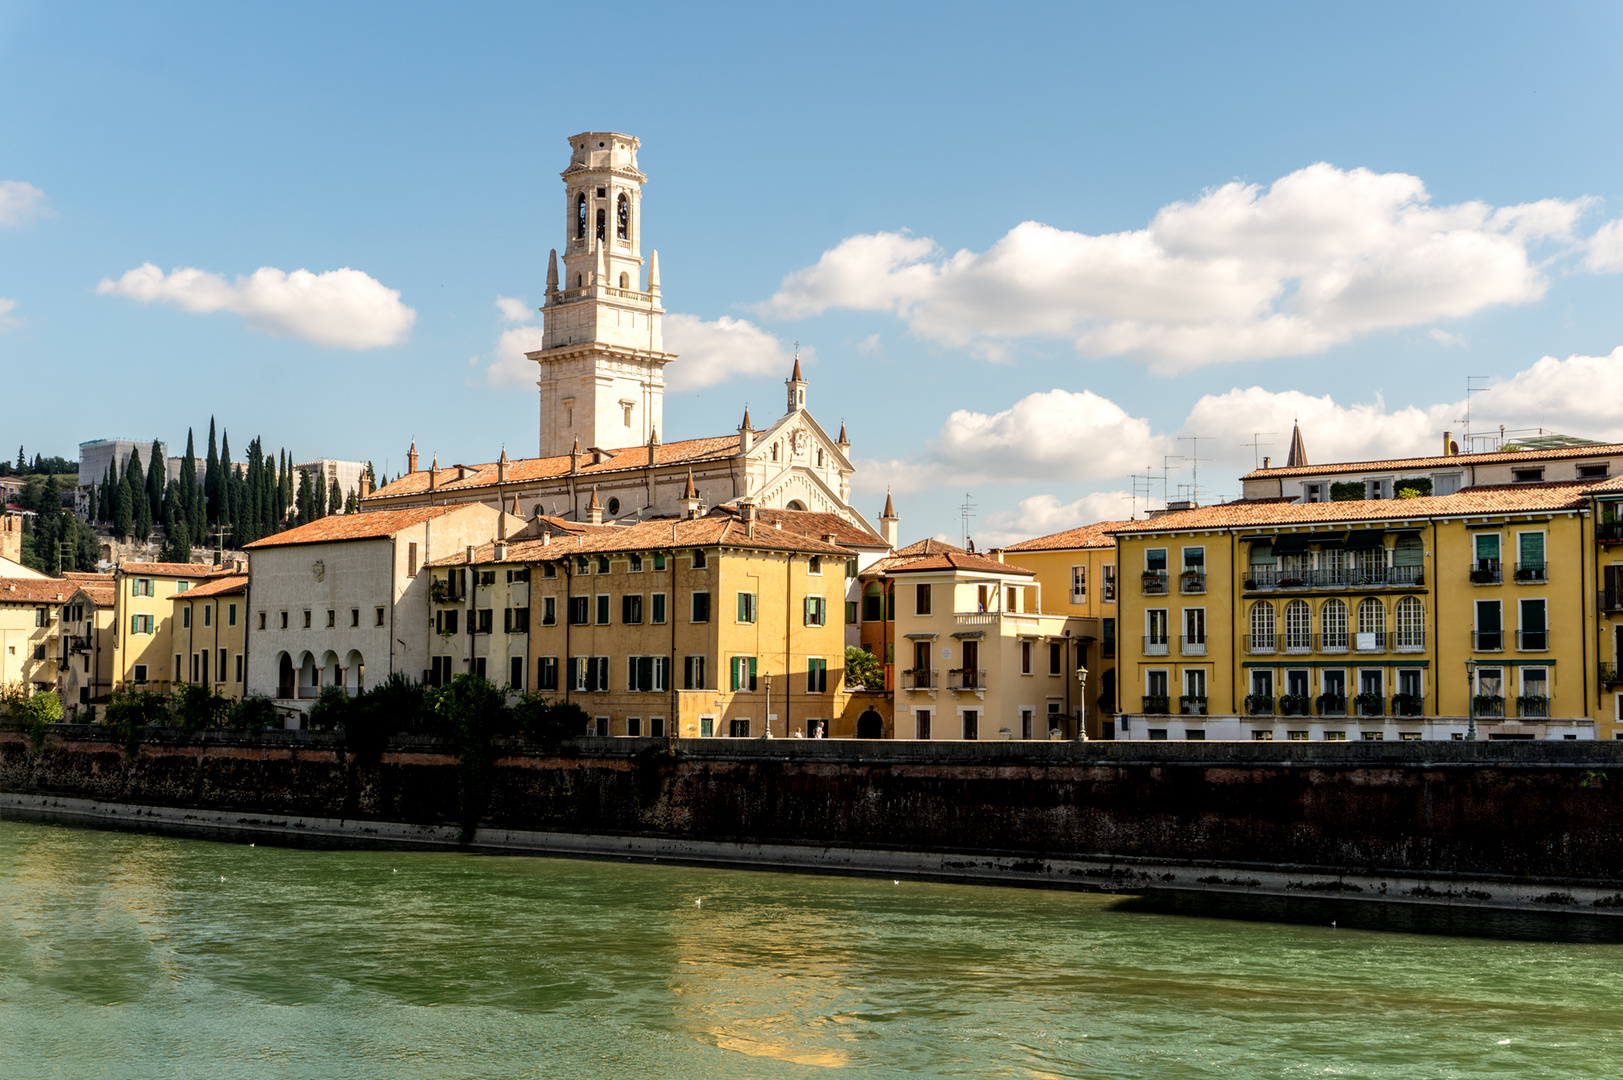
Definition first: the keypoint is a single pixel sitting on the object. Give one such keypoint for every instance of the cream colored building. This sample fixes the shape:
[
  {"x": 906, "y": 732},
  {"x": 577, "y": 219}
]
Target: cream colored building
[
  {"x": 143, "y": 621},
  {"x": 85, "y": 640},
  {"x": 30, "y": 611},
  {"x": 976, "y": 655},
  {"x": 343, "y": 600},
  {"x": 210, "y": 634}
]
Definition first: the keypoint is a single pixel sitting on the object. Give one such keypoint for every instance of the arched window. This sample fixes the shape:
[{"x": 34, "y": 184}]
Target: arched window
[
  {"x": 625, "y": 280},
  {"x": 774, "y": 451},
  {"x": 819, "y": 457},
  {"x": 1262, "y": 627},
  {"x": 578, "y": 281},
  {"x": 622, "y": 217},
  {"x": 602, "y": 222},
  {"x": 1333, "y": 625},
  {"x": 1298, "y": 626},
  {"x": 580, "y": 216},
  {"x": 1410, "y": 620},
  {"x": 796, "y": 504},
  {"x": 1372, "y": 620}
]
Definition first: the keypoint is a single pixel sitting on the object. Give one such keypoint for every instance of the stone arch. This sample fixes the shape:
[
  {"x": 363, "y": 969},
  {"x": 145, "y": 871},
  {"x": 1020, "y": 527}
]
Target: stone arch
[
  {"x": 286, "y": 677},
  {"x": 870, "y": 725},
  {"x": 309, "y": 683},
  {"x": 354, "y": 673},
  {"x": 331, "y": 673},
  {"x": 795, "y": 504}
]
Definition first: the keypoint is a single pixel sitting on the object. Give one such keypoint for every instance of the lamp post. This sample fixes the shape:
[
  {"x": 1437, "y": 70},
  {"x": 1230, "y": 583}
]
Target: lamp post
[
  {"x": 1081, "y": 703},
  {"x": 1470, "y": 700},
  {"x": 767, "y": 734}
]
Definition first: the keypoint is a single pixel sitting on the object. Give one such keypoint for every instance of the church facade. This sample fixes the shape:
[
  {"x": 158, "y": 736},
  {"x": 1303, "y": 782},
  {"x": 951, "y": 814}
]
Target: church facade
[{"x": 601, "y": 376}]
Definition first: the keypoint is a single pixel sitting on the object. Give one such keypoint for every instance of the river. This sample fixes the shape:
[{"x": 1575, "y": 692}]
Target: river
[{"x": 133, "y": 956}]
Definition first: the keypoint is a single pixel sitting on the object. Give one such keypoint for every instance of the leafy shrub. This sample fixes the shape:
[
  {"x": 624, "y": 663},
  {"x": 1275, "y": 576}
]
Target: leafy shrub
[
  {"x": 254, "y": 712},
  {"x": 331, "y": 709},
  {"x": 41, "y": 709},
  {"x": 862, "y": 669},
  {"x": 1351, "y": 491},
  {"x": 197, "y": 706},
  {"x": 13, "y": 696},
  {"x": 1412, "y": 487},
  {"x": 548, "y": 722},
  {"x": 130, "y": 711}
]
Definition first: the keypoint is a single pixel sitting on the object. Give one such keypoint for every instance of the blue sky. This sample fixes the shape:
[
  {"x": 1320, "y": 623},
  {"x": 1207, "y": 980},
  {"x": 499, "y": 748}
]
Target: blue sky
[{"x": 1034, "y": 365}]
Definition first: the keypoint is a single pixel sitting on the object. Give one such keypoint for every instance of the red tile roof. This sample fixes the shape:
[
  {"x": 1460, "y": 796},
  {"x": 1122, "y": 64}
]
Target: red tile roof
[
  {"x": 712, "y": 530},
  {"x": 229, "y": 585},
  {"x": 820, "y": 526},
  {"x": 1487, "y": 499},
  {"x": 1560, "y": 453},
  {"x": 371, "y": 525},
  {"x": 1096, "y": 535},
  {"x": 950, "y": 561},
  {"x": 99, "y": 594},
  {"x": 35, "y": 590},
  {"x": 170, "y": 569},
  {"x": 529, "y": 470}
]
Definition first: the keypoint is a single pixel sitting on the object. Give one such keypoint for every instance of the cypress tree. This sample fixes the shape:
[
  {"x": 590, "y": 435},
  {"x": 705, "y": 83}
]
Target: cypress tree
[
  {"x": 156, "y": 474},
  {"x": 211, "y": 479},
  {"x": 285, "y": 491},
  {"x": 123, "y": 509},
  {"x": 90, "y": 509},
  {"x": 135, "y": 474},
  {"x": 318, "y": 500},
  {"x": 223, "y": 517},
  {"x": 143, "y": 515},
  {"x": 335, "y": 498}
]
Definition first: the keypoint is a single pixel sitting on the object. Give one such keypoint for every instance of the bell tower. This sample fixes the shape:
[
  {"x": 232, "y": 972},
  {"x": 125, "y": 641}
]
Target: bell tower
[{"x": 602, "y": 354}]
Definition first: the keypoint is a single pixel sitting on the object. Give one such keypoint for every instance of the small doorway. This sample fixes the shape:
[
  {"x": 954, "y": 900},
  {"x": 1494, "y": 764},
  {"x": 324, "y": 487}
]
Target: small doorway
[
  {"x": 972, "y": 722},
  {"x": 870, "y": 725}
]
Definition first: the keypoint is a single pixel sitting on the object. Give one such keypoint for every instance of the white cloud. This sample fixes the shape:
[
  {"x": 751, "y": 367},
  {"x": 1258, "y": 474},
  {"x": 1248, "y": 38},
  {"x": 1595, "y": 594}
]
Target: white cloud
[
  {"x": 1243, "y": 272},
  {"x": 510, "y": 369},
  {"x": 1606, "y": 248},
  {"x": 1575, "y": 396},
  {"x": 8, "y": 321},
  {"x": 713, "y": 352},
  {"x": 1445, "y": 339},
  {"x": 871, "y": 344},
  {"x": 515, "y": 310},
  {"x": 1041, "y": 515},
  {"x": 1057, "y": 435},
  {"x": 20, "y": 202},
  {"x": 344, "y": 308}
]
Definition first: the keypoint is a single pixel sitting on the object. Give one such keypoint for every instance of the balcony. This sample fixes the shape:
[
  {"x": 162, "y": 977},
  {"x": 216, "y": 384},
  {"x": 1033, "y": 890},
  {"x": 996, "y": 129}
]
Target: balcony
[
  {"x": 1155, "y": 705},
  {"x": 1297, "y": 644},
  {"x": 1610, "y": 676},
  {"x": 1293, "y": 704},
  {"x": 1611, "y": 600},
  {"x": 1191, "y": 582},
  {"x": 1486, "y": 572},
  {"x": 1259, "y": 704},
  {"x": 1192, "y": 705},
  {"x": 79, "y": 643},
  {"x": 1533, "y": 640},
  {"x": 1488, "y": 706},
  {"x": 1370, "y": 641},
  {"x": 1370, "y": 704},
  {"x": 1264, "y": 578},
  {"x": 1533, "y": 706},
  {"x": 1488, "y": 641},
  {"x": 1408, "y": 705},
  {"x": 1331, "y": 704},
  {"x": 1156, "y": 646},
  {"x": 918, "y": 679},
  {"x": 1189, "y": 646},
  {"x": 1609, "y": 532},
  {"x": 1155, "y": 582},
  {"x": 1262, "y": 644},
  {"x": 1531, "y": 573},
  {"x": 966, "y": 679}
]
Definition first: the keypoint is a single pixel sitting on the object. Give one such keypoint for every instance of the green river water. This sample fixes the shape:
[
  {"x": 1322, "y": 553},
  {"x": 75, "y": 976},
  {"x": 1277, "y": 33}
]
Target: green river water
[{"x": 134, "y": 956}]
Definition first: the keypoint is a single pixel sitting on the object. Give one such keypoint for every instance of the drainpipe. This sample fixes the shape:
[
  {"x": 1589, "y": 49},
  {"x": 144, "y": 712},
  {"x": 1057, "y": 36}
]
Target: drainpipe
[
  {"x": 569, "y": 596},
  {"x": 1584, "y": 599},
  {"x": 1437, "y": 642},
  {"x": 673, "y": 725},
  {"x": 788, "y": 639}
]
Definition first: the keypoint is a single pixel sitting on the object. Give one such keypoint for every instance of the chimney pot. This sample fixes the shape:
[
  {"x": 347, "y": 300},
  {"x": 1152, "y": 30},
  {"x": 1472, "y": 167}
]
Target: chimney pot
[{"x": 471, "y": 550}]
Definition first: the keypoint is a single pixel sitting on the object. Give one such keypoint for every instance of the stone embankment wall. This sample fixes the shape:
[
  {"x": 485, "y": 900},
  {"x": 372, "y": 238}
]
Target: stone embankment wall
[{"x": 1467, "y": 812}]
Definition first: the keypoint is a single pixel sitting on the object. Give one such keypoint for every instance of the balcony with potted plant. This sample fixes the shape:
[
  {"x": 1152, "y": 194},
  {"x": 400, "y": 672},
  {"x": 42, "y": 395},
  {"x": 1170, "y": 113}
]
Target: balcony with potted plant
[
  {"x": 1488, "y": 706},
  {"x": 1406, "y": 705},
  {"x": 1331, "y": 704},
  {"x": 1370, "y": 704},
  {"x": 1259, "y": 704},
  {"x": 1156, "y": 705},
  {"x": 1192, "y": 705},
  {"x": 1155, "y": 582},
  {"x": 1533, "y": 706},
  {"x": 1293, "y": 704}
]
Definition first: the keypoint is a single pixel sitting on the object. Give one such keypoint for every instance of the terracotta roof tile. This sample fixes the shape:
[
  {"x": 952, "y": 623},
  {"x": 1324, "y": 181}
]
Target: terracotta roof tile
[
  {"x": 101, "y": 595},
  {"x": 954, "y": 561},
  {"x": 1487, "y": 499},
  {"x": 656, "y": 534},
  {"x": 171, "y": 569},
  {"x": 815, "y": 524},
  {"x": 35, "y": 590},
  {"x": 1559, "y": 453},
  {"x": 1096, "y": 535},
  {"x": 530, "y": 470},
  {"x": 371, "y": 525},
  {"x": 227, "y": 585}
]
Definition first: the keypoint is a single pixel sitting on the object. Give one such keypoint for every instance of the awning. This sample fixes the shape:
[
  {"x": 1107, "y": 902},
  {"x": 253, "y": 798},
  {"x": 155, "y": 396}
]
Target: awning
[
  {"x": 969, "y": 633},
  {"x": 1290, "y": 544},
  {"x": 1327, "y": 539},
  {"x": 1400, "y": 533},
  {"x": 1366, "y": 539}
]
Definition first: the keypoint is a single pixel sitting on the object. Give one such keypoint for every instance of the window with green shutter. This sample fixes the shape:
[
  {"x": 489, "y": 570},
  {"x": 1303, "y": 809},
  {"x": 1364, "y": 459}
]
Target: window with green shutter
[
  {"x": 746, "y": 607},
  {"x": 1487, "y": 547},
  {"x": 1530, "y": 553}
]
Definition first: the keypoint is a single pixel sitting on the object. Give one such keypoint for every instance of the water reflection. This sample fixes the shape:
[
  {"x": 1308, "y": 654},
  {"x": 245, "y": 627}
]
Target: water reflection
[{"x": 121, "y": 955}]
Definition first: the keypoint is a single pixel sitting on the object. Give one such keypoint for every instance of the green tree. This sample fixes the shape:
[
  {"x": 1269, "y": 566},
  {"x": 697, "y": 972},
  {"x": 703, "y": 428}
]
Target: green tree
[
  {"x": 156, "y": 469},
  {"x": 22, "y": 462},
  {"x": 123, "y": 509},
  {"x": 304, "y": 503},
  {"x": 318, "y": 499},
  {"x": 862, "y": 669},
  {"x": 178, "y": 543},
  {"x": 211, "y": 479},
  {"x": 335, "y": 499}
]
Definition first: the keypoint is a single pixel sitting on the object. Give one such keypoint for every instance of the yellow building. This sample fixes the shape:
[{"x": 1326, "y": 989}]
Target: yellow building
[
  {"x": 143, "y": 621},
  {"x": 85, "y": 640},
  {"x": 1454, "y": 616},
  {"x": 1077, "y": 572},
  {"x": 209, "y": 630},
  {"x": 30, "y": 610},
  {"x": 721, "y": 625}
]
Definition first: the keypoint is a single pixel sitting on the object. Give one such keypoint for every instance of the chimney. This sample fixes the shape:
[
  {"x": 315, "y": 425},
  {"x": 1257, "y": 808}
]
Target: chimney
[
  {"x": 1448, "y": 442},
  {"x": 501, "y": 551},
  {"x": 546, "y": 537},
  {"x": 366, "y": 483},
  {"x": 1265, "y": 462},
  {"x": 471, "y": 551}
]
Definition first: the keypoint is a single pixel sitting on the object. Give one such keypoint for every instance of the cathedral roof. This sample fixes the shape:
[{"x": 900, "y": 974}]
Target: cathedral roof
[{"x": 528, "y": 470}]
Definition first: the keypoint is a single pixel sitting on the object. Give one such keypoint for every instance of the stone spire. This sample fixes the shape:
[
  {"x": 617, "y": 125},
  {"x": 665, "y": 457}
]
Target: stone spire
[
  {"x": 653, "y": 272},
  {"x": 411, "y": 457},
  {"x": 746, "y": 433},
  {"x": 552, "y": 271},
  {"x": 594, "y": 509},
  {"x": 889, "y": 523},
  {"x": 690, "y": 498},
  {"x": 796, "y": 385},
  {"x": 1298, "y": 453},
  {"x": 574, "y": 456},
  {"x": 501, "y": 466},
  {"x": 843, "y": 440}
]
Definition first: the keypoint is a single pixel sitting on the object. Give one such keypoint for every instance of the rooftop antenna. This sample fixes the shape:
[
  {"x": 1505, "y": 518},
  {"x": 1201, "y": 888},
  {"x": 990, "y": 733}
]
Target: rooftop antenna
[
  {"x": 1256, "y": 445},
  {"x": 1166, "y": 472},
  {"x": 966, "y": 511},
  {"x": 1194, "y": 463},
  {"x": 1470, "y": 388}
]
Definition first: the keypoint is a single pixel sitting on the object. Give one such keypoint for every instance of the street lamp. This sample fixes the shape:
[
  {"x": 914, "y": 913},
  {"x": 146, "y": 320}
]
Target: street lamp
[
  {"x": 1470, "y": 700},
  {"x": 767, "y": 734},
  {"x": 1082, "y": 703}
]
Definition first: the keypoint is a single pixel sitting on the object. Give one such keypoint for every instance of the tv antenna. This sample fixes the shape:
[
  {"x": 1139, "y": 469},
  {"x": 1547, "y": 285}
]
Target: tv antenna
[
  {"x": 966, "y": 511},
  {"x": 1256, "y": 445},
  {"x": 1194, "y": 462},
  {"x": 1470, "y": 389}
]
